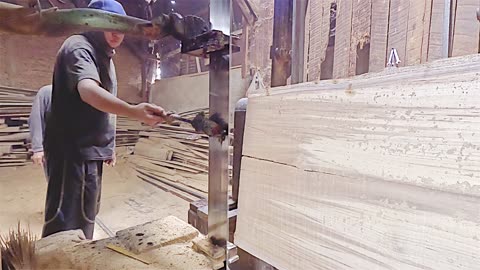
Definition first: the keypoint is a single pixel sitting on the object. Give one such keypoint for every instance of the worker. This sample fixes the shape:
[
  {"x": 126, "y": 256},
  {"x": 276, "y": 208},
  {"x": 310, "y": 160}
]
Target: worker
[
  {"x": 36, "y": 124},
  {"x": 80, "y": 131}
]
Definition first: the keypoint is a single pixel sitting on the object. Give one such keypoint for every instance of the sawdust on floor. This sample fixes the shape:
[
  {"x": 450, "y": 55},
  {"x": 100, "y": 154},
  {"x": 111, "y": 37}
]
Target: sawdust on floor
[{"x": 126, "y": 200}]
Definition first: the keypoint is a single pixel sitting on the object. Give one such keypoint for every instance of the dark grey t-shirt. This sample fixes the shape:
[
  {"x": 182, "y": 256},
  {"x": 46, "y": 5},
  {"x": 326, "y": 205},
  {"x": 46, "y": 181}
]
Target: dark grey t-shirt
[{"x": 73, "y": 126}]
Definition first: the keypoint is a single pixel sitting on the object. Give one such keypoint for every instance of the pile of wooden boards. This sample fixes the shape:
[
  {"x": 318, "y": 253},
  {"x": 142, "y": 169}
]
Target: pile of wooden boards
[
  {"x": 15, "y": 106},
  {"x": 175, "y": 156},
  {"x": 375, "y": 172},
  {"x": 127, "y": 131}
]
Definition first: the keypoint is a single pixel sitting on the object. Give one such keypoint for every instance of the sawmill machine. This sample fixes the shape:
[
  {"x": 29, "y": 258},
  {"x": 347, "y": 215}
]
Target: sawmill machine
[{"x": 198, "y": 38}]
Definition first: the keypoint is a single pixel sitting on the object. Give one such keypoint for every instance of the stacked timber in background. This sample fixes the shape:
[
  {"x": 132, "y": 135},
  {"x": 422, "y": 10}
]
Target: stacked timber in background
[
  {"x": 174, "y": 156},
  {"x": 15, "y": 106},
  {"x": 380, "y": 171}
]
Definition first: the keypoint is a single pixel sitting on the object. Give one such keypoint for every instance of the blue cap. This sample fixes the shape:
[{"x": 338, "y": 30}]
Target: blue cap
[{"x": 108, "y": 5}]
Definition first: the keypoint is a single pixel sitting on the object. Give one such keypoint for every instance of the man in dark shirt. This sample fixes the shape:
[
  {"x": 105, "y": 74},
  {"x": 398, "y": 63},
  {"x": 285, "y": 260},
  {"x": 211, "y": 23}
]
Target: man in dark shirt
[{"x": 80, "y": 132}]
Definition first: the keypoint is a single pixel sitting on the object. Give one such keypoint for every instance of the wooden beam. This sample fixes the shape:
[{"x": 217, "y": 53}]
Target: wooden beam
[
  {"x": 298, "y": 40},
  {"x": 465, "y": 35},
  {"x": 343, "y": 37},
  {"x": 282, "y": 42},
  {"x": 398, "y": 26},
  {"x": 247, "y": 10}
]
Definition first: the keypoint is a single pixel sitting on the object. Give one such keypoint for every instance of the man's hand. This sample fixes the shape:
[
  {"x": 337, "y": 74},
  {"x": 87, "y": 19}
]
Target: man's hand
[
  {"x": 38, "y": 158},
  {"x": 147, "y": 113},
  {"x": 111, "y": 162},
  {"x": 102, "y": 100}
]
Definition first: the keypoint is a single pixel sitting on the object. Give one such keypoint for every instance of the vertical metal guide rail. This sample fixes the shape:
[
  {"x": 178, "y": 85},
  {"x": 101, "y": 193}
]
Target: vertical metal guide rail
[{"x": 219, "y": 103}]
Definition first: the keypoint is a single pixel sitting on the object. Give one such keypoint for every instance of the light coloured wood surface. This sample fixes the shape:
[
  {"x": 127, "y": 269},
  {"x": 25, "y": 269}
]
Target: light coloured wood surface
[{"x": 376, "y": 172}]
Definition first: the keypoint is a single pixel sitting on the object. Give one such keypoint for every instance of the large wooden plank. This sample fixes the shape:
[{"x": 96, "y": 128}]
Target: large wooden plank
[
  {"x": 325, "y": 220},
  {"x": 373, "y": 175},
  {"x": 379, "y": 34},
  {"x": 465, "y": 38},
  {"x": 343, "y": 36}
]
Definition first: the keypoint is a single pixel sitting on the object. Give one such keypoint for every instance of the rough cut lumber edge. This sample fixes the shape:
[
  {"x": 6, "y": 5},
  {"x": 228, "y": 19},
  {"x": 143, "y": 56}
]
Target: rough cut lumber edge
[
  {"x": 145, "y": 237},
  {"x": 308, "y": 212},
  {"x": 65, "y": 250},
  {"x": 343, "y": 35},
  {"x": 379, "y": 35},
  {"x": 465, "y": 38},
  {"x": 418, "y": 73}
]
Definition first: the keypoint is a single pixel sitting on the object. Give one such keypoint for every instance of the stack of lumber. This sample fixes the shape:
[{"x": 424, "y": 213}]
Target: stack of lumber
[
  {"x": 175, "y": 156},
  {"x": 15, "y": 106},
  {"x": 127, "y": 131},
  {"x": 374, "y": 172}
]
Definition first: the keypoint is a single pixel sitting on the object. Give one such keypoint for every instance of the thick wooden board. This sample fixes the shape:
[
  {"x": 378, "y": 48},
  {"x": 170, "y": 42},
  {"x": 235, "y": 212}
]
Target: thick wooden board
[
  {"x": 325, "y": 220},
  {"x": 375, "y": 175},
  {"x": 379, "y": 35},
  {"x": 343, "y": 36},
  {"x": 467, "y": 27},
  {"x": 155, "y": 234}
]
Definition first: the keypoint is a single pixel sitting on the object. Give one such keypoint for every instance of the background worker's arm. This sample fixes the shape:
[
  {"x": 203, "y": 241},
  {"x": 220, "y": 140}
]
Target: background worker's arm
[
  {"x": 36, "y": 122},
  {"x": 91, "y": 93}
]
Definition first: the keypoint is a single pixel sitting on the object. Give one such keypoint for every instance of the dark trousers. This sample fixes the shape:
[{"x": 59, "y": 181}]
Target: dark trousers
[{"x": 73, "y": 195}]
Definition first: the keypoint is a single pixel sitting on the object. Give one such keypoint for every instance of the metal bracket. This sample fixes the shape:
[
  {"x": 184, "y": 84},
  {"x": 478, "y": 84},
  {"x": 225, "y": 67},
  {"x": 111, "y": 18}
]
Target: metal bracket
[
  {"x": 232, "y": 253},
  {"x": 209, "y": 42},
  {"x": 393, "y": 59}
]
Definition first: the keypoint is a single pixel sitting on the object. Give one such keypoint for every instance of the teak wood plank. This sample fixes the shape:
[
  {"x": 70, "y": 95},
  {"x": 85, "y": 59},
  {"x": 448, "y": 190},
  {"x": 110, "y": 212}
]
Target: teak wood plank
[{"x": 365, "y": 173}]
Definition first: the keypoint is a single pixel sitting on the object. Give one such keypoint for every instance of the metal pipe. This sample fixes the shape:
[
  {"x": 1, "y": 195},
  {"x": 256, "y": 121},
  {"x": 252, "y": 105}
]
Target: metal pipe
[{"x": 298, "y": 47}]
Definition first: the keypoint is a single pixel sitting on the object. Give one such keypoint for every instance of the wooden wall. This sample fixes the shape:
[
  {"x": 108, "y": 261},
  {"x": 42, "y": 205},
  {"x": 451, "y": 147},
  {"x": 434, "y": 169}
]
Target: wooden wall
[
  {"x": 27, "y": 62},
  {"x": 365, "y": 32}
]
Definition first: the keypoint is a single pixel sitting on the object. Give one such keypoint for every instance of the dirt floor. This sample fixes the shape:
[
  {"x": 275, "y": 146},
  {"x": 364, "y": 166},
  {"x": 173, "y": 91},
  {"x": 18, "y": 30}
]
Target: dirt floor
[{"x": 126, "y": 200}]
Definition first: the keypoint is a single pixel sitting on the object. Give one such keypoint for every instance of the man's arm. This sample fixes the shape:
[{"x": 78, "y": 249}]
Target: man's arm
[
  {"x": 36, "y": 123},
  {"x": 102, "y": 100}
]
